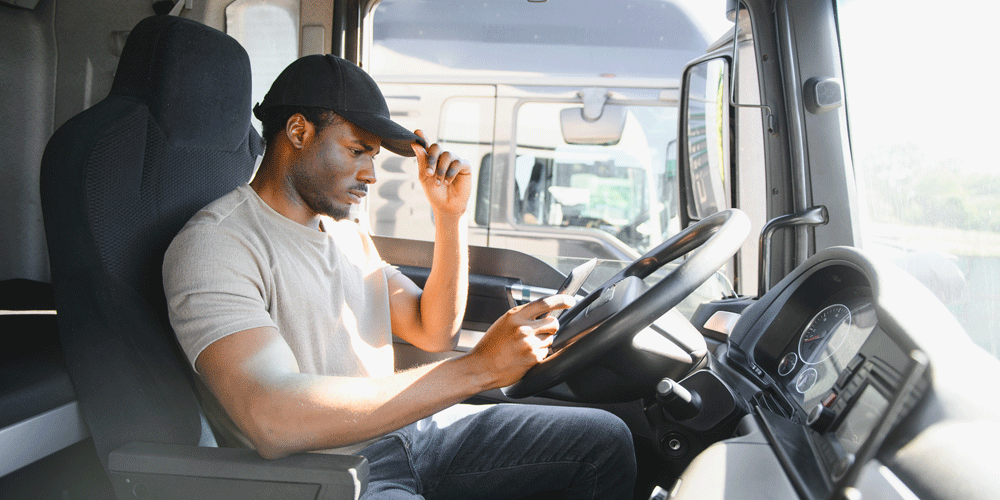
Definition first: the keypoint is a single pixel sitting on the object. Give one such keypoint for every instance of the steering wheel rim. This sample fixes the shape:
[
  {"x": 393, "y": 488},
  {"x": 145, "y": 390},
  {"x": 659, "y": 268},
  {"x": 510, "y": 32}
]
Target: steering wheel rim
[{"x": 712, "y": 242}]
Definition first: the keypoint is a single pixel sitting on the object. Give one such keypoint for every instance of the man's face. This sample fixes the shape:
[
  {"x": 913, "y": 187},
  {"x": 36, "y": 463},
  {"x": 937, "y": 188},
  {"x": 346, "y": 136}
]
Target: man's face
[{"x": 334, "y": 169}]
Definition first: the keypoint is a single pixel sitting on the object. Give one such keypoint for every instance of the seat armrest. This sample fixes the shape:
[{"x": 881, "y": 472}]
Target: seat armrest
[{"x": 165, "y": 471}]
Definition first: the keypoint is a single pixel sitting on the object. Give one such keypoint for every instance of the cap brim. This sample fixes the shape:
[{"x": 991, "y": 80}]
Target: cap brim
[{"x": 395, "y": 137}]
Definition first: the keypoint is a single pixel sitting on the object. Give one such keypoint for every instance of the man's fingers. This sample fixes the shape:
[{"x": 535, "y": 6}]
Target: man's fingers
[
  {"x": 455, "y": 168},
  {"x": 427, "y": 158},
  {"x": 430, "y": 167},
  {"x": 545, "y": 326},
  {"x": 544, "y": 305},
  {"x": 542, "y": 349},
  {"x": 547, "y": 341},
  {"x": 418, "y": 149},
  {"x": 441, "y": 167},
  {"x": 436, "y": 163}
]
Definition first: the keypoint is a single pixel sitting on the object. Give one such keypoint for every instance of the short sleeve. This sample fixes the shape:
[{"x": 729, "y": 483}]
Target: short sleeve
[{"x": 216, "y": 285}]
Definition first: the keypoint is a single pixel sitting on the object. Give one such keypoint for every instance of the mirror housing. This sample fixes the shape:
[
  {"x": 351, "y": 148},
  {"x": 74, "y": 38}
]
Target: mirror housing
[
  {"x": 596, "y": 123},
  {"x": 604, "y": 131},
  {"x": 704, "y": 139}
]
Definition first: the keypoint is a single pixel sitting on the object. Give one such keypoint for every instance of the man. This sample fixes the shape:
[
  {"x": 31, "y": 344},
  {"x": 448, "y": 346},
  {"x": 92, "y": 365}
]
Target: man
[{"x": 286, "y": 312}]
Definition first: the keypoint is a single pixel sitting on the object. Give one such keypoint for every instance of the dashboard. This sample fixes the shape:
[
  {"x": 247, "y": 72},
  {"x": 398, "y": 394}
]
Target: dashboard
[
  {"x": 833, "y": 380},
  {"x": 852, "y": 381}
]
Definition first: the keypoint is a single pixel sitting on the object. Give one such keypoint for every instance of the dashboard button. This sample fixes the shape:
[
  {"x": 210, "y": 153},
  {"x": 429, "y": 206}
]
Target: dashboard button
[
  {"x": 856, "y": 362},
  {"x": 829, "y": 399},
  {"x": 851, "y": 368},
  {"x": 840, "y": 404},
  {"x": 844, "y": 377},
  {"x": 855, "y": 384}
]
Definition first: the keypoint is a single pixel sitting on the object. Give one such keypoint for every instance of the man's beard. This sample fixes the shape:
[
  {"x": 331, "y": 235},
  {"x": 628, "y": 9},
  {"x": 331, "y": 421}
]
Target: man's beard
[
  {"x": 324, "y": 206},
  {"x": 337, "y": 213},
  {"x": 314, "y": 196}
]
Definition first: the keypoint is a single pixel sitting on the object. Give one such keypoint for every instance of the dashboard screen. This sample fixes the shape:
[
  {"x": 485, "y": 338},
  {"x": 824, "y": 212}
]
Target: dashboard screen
[{"x": 863, "y": 417}]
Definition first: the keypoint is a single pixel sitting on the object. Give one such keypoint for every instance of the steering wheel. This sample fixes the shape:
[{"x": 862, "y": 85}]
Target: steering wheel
[{"x": 624, "y": 305}]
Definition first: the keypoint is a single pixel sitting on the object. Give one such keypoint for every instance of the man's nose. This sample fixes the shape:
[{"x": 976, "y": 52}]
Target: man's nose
[{"x": 367, "y": 173}]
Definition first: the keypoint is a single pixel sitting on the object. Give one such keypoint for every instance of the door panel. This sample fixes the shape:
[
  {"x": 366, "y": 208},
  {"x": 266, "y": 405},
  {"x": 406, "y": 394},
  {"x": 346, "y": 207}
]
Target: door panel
[{"x": 498, "y": 280}]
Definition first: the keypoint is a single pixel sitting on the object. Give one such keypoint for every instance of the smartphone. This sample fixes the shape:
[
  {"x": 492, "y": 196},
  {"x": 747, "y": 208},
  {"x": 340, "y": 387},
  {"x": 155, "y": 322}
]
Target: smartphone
[{"x": 574, "y": 280}]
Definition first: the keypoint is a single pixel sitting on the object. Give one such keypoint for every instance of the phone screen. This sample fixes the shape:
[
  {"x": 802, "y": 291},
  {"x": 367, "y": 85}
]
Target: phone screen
[{"x": 574, "y": 280}]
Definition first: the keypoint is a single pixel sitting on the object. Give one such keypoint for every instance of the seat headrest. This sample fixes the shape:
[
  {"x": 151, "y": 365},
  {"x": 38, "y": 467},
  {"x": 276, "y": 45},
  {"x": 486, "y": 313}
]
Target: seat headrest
[{"x": 195, "y": 80}]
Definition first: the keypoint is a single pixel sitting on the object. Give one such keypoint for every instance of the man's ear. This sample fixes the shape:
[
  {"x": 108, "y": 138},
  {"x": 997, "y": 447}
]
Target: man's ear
[{"x": 298, "y": 130}]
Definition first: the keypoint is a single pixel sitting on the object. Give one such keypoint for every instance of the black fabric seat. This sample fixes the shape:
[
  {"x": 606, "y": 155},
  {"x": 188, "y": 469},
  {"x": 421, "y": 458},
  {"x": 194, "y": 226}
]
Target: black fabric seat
[{"x": 118, "y": 181}]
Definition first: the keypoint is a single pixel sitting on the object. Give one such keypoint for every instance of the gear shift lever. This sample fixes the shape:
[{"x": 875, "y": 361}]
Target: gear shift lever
[{"x": 676, "y": 401}]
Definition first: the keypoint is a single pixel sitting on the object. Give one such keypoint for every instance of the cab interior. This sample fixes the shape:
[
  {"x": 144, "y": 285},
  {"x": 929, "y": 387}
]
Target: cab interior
[{"x": 819, "y": 371}]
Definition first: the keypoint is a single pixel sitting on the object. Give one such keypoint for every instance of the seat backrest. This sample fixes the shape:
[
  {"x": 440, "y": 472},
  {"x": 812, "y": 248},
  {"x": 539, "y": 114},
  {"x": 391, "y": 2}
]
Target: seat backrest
[{"x": 118, "y": 181}]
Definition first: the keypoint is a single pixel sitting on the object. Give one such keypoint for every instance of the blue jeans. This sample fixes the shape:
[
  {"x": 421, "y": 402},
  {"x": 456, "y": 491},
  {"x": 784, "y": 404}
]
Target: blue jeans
[{"x": 505, "y": 451}]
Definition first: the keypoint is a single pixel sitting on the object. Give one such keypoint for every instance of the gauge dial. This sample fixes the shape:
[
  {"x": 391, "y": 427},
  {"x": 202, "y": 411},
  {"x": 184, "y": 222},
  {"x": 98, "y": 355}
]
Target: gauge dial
[
  {"x": 787, "y": 364},
  {"x": 824, "y": 334},
  {"x": 806, "y": 380}
]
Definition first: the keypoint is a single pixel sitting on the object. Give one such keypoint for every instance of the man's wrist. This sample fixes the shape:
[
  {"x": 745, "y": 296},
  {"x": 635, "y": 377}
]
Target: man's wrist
[
  {"x": 472, "y": 372},
  {"x": 444, "y": 217}
]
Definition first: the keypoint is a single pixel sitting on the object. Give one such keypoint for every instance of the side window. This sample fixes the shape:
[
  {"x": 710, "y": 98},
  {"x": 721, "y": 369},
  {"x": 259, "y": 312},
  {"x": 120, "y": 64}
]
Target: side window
[
  {"x": 467, "y": 131},
  {"x": 268, "y": 30},
  {"x": 927, "y": 177},
  {"x": 619, "y": 192}
]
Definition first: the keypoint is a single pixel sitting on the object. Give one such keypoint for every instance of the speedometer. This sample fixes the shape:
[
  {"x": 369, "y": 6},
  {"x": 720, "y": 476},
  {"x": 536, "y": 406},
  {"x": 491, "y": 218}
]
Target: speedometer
[{"x": 824, "y": 334}]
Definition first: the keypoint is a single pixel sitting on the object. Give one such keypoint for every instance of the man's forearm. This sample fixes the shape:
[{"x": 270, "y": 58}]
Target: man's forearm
[
  {"x": 316, "y": 412},
  {"x": 442, "y": 303},
  {"x": 255, "y": 376}
]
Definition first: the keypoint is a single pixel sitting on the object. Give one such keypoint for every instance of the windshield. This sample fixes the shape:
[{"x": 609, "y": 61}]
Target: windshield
[
  {"x": 571, "y": 193},
  {"x": 578, "y": 38},
  {"x": 499, "y": 83},
  {"x": 625, "y": 189},
  {"x": 921, "y": 104}
]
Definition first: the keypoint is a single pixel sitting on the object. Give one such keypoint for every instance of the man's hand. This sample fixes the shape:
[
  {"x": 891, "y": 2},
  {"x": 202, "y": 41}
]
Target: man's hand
[
  {"x": 520, "y": 339},
  {"x": 447, "y": 180}
]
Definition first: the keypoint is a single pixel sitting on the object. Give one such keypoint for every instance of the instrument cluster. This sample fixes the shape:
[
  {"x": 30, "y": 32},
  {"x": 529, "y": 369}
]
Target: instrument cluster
[
  {"x": 818, "y": 349},
  {"x": 826, "y": 345}
]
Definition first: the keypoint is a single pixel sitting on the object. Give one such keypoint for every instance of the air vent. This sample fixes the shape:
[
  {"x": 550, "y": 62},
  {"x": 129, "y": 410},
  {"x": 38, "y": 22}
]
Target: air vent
[{"x": 768, "y": 400}]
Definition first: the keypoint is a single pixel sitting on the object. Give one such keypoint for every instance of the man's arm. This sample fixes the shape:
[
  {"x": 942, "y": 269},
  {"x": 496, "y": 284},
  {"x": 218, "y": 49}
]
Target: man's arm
[
  {"x": 431, "y": 319},
  {"x": 254, "y": 376}
]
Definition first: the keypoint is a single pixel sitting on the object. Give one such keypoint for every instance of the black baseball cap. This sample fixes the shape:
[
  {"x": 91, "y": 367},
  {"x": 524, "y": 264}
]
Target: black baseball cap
[{"x": 330, "y": 82}]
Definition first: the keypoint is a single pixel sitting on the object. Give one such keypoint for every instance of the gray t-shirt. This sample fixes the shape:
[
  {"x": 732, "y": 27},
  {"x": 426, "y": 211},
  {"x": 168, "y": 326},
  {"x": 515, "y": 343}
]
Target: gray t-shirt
[{"x": 238, "y": 265}]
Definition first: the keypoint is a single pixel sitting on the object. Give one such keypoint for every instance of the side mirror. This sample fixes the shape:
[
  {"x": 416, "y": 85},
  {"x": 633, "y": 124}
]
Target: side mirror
[
  {"x": 704, "y": 138},
  {"x": 596, "y": 123}
]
